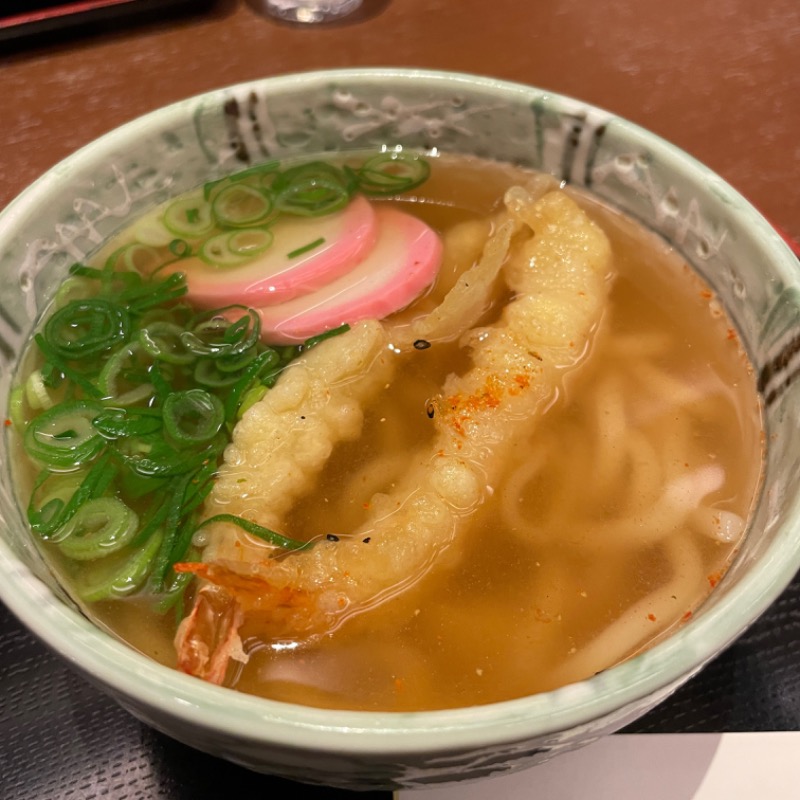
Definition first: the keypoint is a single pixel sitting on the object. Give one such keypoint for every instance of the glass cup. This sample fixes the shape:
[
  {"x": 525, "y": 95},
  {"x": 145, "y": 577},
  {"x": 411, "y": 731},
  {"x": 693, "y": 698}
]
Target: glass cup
[{"x": 308, "y": 11}]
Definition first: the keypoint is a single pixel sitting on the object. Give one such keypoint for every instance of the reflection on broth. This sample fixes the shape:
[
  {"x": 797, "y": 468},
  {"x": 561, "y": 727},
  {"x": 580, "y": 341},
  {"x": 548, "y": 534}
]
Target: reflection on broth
[{"x": 540, "y": 467}]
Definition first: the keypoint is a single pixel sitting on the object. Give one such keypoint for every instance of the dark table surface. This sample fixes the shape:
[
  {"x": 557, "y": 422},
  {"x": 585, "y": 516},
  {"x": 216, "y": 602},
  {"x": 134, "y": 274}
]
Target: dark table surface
[
  {"x": 60, "y": 739},
  {"x": 720, "y": 78}
]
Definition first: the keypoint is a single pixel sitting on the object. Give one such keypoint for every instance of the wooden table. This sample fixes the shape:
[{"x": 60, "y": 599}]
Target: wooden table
[{"x": 720, "y": 78}]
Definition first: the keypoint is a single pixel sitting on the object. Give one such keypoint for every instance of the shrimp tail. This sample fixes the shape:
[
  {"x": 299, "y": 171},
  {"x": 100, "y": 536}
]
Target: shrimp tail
[{"x": 208, "y": 638}]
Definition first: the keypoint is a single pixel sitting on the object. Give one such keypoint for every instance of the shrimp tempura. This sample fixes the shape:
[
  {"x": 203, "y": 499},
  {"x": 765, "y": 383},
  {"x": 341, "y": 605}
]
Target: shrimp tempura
[{"x": 559, "y": 276}]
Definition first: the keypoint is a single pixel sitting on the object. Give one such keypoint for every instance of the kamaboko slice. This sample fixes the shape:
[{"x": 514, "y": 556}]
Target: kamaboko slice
[
  {"x": 403, "y": 263},
  {"x": 289, "y": 266}
]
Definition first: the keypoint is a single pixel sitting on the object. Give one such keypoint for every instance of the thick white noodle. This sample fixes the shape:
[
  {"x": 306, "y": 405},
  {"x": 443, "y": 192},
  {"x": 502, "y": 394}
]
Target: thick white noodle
[{"x": 645, "y": 620}]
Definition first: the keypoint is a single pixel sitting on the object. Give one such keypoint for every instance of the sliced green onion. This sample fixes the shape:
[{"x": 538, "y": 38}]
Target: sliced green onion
[
  {"x": 73, "y": 288},
  {"x": 269, "y": 379},
  {"x": 260, "y": 176},
  {"x": 216, "y": 250},
  {"x": 250, "y": 242},
  {"x": 116, "y": 423},
  {"x": 271, "y": 372},
  {"x": 162, "y": 340},
  {"x": 250, "y": 398},
  {"x": 151, "y": 231},
  {"x": 215, "y": 335},
  {"x": 36, "y": 392},
  {"x": 189, "y": 216},
  {"x": 119, "y": 575},
  {"x": 135, "y": 257},
  {"x": 99, "y": 527},
  {"x": 315, "y": 340},
  {"x": 261, "y": 362},
  {"x": 60, "y": 364},
  {"x": 183, "y": 541},
  {"x": 274, "y": 538},
  {"x": 180, "y": 248},
  {"x": 241, "y": 206},
  {"x": 109, "y": 378},
  {"x": 51, "y": 377},
  {"x": 114, "y": 277},
  {"x": 311, "y": 190},
  {"x": 207, "y": 373},
  {"x": 306, "y": 247},
  {"x": 57, "y": 491},
  {"x": 313, "y": 198},
  {"x": 95, "y": 481},
  {"x": 172, "y": 595},
  {"x": 207, "y": 338},
  {"x": 160, "y": 383},
  {"x": 16, "y": 408},
  {"x": 198, "y": 488},
  {"x": 81, "y": 270},
  {"x": 163, "y": 461},
  {"x": 235, "y": 363},
  {"x": 162, "y": 561},
  {"x": 64, "y": 436},
  {"x": 85, "y": 328},
  {"x": 393, "y": 172},
  {"x": 266, "y": 170},
  {"x": 193, "y": 416},
  {"x": 232, "y": 249},
  {"x": 137, "y": 486},
  {"x": 142, "y": 298},
  {"x": 288, "y": 352}
]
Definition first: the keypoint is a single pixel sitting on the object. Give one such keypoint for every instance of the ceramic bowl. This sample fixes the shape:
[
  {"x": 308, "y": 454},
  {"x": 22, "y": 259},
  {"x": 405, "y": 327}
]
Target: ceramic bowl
[{"x": 98, "y": 190}]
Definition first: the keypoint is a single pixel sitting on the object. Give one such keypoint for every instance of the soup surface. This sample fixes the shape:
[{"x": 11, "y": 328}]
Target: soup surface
[{"x": 613, "y": 513}]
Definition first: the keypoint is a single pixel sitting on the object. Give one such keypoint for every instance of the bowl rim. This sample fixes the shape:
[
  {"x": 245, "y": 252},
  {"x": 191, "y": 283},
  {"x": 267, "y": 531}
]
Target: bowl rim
[{"x": 141, "y": 681}]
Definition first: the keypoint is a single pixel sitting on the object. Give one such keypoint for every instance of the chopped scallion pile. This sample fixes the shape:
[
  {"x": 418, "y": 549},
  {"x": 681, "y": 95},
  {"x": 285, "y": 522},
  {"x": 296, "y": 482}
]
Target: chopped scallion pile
[{"x": 133, "y": 403}]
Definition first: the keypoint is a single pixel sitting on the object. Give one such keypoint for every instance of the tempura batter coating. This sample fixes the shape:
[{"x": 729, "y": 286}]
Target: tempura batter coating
[
  {"x": 559, "y": 275},
  {"x": 282, "y": 442}
]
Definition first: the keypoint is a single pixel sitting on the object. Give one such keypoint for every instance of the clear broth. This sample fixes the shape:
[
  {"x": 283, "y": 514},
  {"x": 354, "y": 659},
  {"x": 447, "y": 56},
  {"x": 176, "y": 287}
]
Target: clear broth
[{"x": 563, "y": 572}]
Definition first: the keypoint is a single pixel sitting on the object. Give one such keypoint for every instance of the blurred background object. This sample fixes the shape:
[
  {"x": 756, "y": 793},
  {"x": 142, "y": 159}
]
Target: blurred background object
[{"x": 307, "y": 11}]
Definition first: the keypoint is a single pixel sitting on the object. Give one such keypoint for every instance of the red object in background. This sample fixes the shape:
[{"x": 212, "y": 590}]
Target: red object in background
[
  {"x": 20, "y": 19},
  {"x": 791, "y": 242},
  {"x": 52, "y": 10}
]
